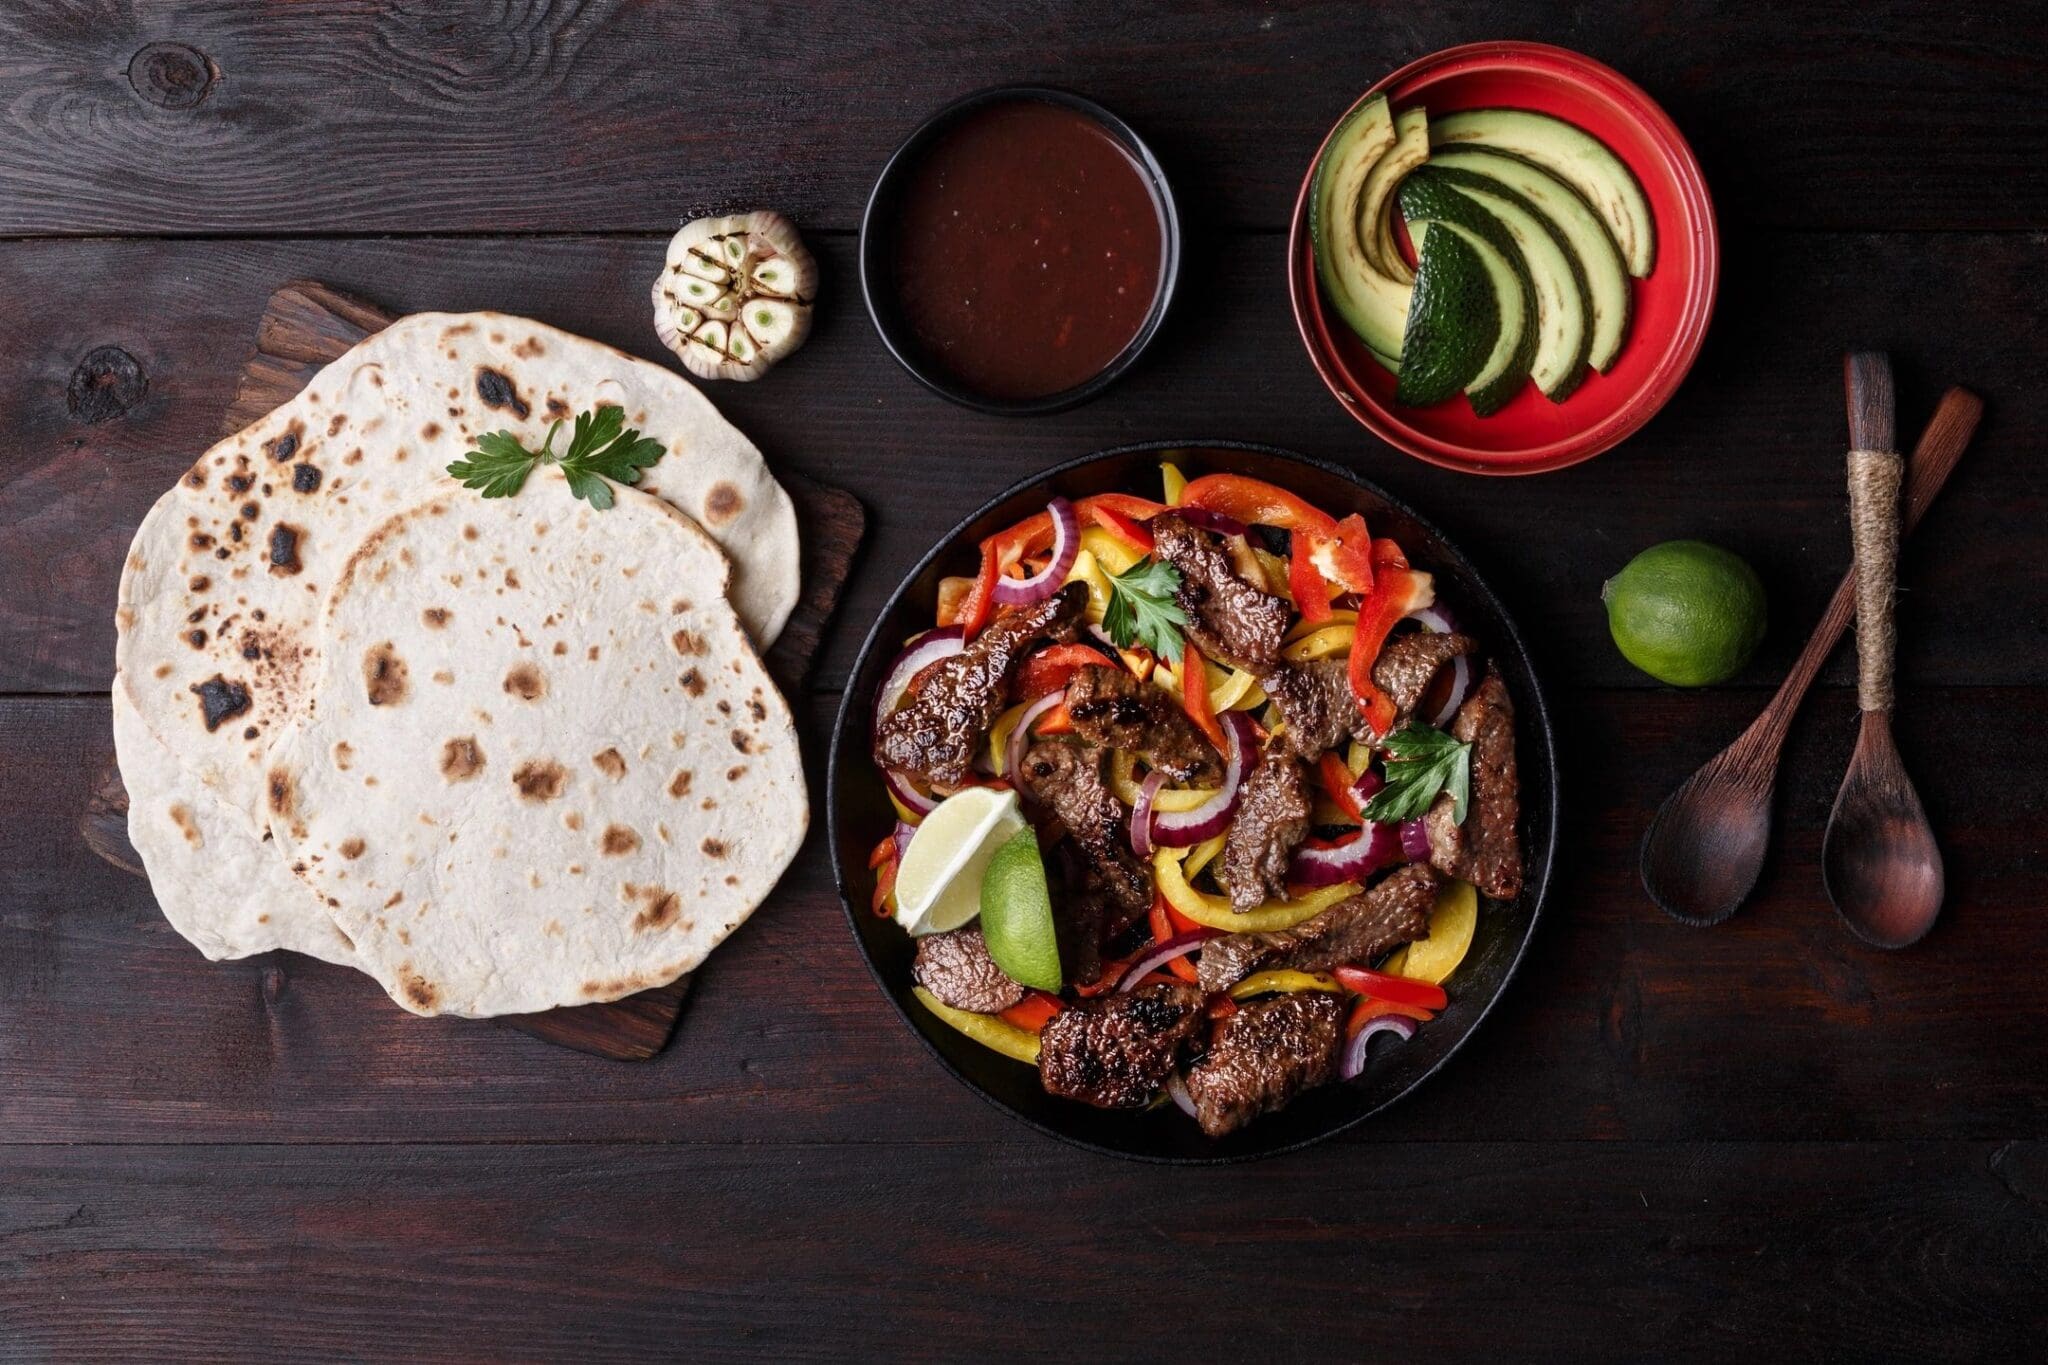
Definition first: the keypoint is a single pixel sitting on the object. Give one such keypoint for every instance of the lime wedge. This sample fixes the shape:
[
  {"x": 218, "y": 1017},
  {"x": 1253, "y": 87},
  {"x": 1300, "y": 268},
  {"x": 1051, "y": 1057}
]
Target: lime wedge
[
  {"x": 1016, "y": 914},
  {"x": 938, "y": 887}
]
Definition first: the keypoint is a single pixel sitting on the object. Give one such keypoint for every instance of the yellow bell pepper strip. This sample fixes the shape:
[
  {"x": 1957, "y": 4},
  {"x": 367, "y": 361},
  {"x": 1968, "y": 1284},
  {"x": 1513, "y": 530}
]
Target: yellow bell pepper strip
[
  {"x": 1339, "y": 616},
  {"x": 953, "y": 594},
  {"x": 1399, "y": 989},
  {"x": 1172, "y": 482},
  {"x": 1123, "y": 780},
  {"x": 1111, "y": 554},
  {"x": 999, "y": 737},
  {"x": 1087, "y": 571},
  {"x": 986, "y": 1029},
  {"x": 1194, "y": 697},
  {"x": 1201, "y": 855},
  {"x": 1451, "y": 925},
  {"x": 1321, "y": 644},
  {"x": 1238, "y": 690},
  {"x": 1397, "y": 591},
  {"x": 1282, "y": 982},
  {"x": 1358, "y": 757},
  {"x": 1215, "y": 912}
]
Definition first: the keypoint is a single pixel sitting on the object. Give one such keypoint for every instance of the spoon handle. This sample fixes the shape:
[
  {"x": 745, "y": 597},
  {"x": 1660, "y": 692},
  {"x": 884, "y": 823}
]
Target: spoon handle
[{"x": 1875, "y": 471}]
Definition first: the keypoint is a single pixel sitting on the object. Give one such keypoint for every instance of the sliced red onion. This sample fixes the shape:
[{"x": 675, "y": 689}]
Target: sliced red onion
[
  {"x": 1013, "y": 752},
  {"x": 1415, "y": 841},
  {"x": 902, "y": 835},
  {"x": 1177, "y": 1090},
  {"x": 1141, "y": 814},
  {"x": 1066, "y": 546},
  {"x": 1211, "y": 521},
  {"x": 1367, "y": 786},
  {"x": 1437, "y": 618},
  {"x": 914, "y": 801},
  {"x": 1099, "y": 633},
  {"x": 1364, "y": 853},
  {"x": 920, "y": 654},
  {"x": 1180, "y": 945},
  {"x": 1354, "y": 1051},
  {"x": 1184, "y": 828}
]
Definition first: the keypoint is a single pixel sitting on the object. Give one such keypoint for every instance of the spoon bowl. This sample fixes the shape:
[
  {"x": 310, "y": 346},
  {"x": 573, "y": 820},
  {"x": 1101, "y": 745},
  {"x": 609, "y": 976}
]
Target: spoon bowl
[
  {"x": 1705, "y": 849},
  {"x": 1881, "y": 864}
]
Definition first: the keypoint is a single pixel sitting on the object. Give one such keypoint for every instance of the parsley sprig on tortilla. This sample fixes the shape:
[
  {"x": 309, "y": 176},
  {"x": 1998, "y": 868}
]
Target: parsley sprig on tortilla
[{"x": 601, "y": 444}]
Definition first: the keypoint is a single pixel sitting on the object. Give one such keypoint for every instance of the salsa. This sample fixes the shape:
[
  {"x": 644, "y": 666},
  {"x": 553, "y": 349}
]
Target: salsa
[{"x": 1028, "y": 249}]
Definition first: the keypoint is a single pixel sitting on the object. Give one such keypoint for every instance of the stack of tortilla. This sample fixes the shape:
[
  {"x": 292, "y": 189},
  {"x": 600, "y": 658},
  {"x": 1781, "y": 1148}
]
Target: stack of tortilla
[{"x": 501, "y": 754}]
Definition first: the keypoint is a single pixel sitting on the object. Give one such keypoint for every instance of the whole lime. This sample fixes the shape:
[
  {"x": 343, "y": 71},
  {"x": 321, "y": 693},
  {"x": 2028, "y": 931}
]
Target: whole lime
[{"x": 1685, "y": 612}]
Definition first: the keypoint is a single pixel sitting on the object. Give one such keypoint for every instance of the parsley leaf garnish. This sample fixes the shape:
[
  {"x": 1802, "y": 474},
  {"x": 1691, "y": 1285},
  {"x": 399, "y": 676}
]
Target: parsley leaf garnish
[
  {"x": 1142, "y": 610},
  {"x": 1421, "y": 763},
  {"x": 601, "y": 444}
]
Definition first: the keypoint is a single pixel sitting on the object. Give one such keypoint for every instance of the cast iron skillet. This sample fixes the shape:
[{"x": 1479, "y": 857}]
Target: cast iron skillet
[{"x": 858, "y": 815}]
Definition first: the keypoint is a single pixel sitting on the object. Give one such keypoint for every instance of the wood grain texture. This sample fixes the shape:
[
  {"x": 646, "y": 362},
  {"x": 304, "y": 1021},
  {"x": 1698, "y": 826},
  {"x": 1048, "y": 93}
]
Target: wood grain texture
[
  {"x": 1623, "y": 1024},
  {"x": 208, "y": 116},
  {"x": 1895, "y": 1251},
  {"x": 1748, "y": 454}
]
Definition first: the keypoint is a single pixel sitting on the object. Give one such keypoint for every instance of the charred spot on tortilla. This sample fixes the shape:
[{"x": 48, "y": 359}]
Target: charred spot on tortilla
[
  {"x": 250, "y": 732},
  {"x": 539, "y": 779},
  {"x": 461, "y": 759},
  {"x": 417, "y": 988},
  {"x": 305, "y": 478},
  {"x": 572, "y": 820},
  {"x": 182, "y": 818},
  {"x": 384, "y": 675},
  {"x": 742, "y": 741},
  {"x": 252, "y": 648},
  {"x": 755, "y": 708},
  {"x": 284, "y": 549},
  {"x": 251, "y": 510},
  {"x": 241, "y": 483},
  {"x": 692, "y": 683},
  {"x": 688, "y": 642},
  {"x": 679, "y": 785},
  {"x": 736, "y": 772},
  {"x": 498, "y": 391},
  {"x": 220, "y": 700},
  {"x": 526, "y": 682},
  {"x": 618, "y": 840},
  {"x": 336, "y": 423},
  {"x": 610, "y": 762},
  {"x": 435, "y": 617},
  {"x": 344, "y": 754},
  {"x": 196, "y": 638},
  {"x": 282, "y": 448},
  {"x": 658, "y": 905},
  {"x": 201, "y": 541},
  {"x": 282, "y": 795},
  {"x": 723, "y": 503},
  {"x": 351, "y": 849},
  {"x": 713, "y": 848}
]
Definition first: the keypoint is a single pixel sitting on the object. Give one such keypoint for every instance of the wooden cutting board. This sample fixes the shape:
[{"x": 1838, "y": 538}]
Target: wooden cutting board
[{"x": 305, "y": 326}]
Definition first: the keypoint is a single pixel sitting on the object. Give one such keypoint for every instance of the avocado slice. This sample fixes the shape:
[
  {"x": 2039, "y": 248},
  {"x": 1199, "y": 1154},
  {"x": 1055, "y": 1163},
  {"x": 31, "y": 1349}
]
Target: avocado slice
[
  {"x": 1453, "y": 323},
  {"x": 1371, "y": 304},
  {"x": 1606, "y": 274},
  {"x": 1376, "y": 205},
  {"x": 1574, "y": 156},
  {"x": 1563, "y": 303},
  {"x": 1430, "y": 200}
]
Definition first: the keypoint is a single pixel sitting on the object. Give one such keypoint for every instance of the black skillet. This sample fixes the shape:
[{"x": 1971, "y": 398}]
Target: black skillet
[{"x": 858, "y": 815}]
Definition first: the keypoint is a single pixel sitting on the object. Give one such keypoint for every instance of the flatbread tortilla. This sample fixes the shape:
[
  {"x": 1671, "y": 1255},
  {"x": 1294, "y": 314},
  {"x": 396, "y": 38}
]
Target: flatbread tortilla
[
  {"x": 227, "y": 574},
  {"x": 545, "y": 765}
]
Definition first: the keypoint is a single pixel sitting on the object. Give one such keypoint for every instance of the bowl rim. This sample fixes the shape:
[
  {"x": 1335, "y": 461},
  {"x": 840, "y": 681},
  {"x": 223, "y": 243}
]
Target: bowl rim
[
  {"x": 1702, "y": 288},
  {"x": 850, "y": 721},
  {"x": 875, "y": 290}
]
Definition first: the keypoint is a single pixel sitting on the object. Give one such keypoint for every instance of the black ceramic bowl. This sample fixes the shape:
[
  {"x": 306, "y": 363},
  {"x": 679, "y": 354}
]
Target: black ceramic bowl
[
  {"x": 878, "y": 249},
  {"x": 858, "y": 815}
]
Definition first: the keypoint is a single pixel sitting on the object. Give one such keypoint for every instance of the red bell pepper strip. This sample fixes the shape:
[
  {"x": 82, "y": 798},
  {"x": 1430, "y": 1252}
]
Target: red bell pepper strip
[
  {"x": 1048, "y": 669},
  {"x": 1162, "y": 930},
  {"x": 980, "y": 603},
  {"x": 1033, "y": 1012},
  {"x": 885, "y": 887},
  {"x": 1055, "y": 722},
  {"x": 1368, "y": 1009},
  {"x": 1393, "y": 596},
  {"x": 1106, "y": 979},
  {"x": 1194, "y": 697},
  {"x": 1124, "y": 528},
  {"x": 1177, "y": 922},
  {"x": 1256, "y": 502},
  {"x": 1336, "y": 780},
  {"x": 1306, "y": 584},
  {"x": 1031, "y": 535},
  {"x": 1400, "y": 990}
]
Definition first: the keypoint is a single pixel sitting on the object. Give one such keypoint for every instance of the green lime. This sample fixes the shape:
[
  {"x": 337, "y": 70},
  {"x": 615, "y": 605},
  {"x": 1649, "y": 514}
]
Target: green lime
[
  {"x": 1685, "y": 612},
  {"x": 1016, "y": 914},
  {"x": 938, "y": 885}
]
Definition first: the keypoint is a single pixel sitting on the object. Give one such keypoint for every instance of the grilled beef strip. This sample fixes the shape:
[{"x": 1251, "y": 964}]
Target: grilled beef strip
[
  {"x": 1487, "y": 849},
  {"x": 1064, "y": 782},
  {"x": 955, "y": 966},
  {"x": 935, "y": 732},
  {"x": 1111, "y": 708},
  {"x": 1351, "y": 932},
  {"x": 1316, "y": 702},
  {"x": 1229, "y": 619},
  {"x": 1115, "y": 1051},
  {"x": 1272, "y": 819},
  {"x": 1266, "y": 1054},
  {"x": 1407, "y": 663}
]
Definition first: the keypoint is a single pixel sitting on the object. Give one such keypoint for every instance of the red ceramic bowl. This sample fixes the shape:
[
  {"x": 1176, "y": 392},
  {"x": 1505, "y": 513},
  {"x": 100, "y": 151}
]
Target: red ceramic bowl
[{"x": 1531, "y": 434}]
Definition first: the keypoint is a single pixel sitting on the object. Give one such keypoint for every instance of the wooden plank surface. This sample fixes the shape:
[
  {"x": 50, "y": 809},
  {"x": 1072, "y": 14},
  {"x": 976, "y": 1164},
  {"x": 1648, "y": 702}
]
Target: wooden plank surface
[
  {"x": 1623, "y": 1024},
  {"x": 1748, "y": 454},
  {"x": 960, "y": 1250},
  {"x": 209, "y": 116}
]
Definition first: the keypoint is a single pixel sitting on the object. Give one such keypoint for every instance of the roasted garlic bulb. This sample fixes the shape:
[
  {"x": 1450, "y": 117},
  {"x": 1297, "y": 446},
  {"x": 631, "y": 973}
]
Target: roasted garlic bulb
[{"x": 735, "y": 294}]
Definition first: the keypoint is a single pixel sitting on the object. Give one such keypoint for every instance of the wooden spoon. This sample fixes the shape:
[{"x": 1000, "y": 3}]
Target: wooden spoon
[
  {"x": 1705, "y": 849},
  {"x": 1880, "y": 861}
]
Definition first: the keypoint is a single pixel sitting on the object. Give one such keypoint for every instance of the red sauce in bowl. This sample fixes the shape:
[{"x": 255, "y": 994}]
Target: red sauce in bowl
[{"x": 1028, "y": 249}]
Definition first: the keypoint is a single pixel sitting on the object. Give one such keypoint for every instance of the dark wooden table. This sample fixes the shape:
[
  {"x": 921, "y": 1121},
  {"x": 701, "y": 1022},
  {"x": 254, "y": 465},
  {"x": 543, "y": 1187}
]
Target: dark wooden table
[{"x": 1762, "y": 1141}]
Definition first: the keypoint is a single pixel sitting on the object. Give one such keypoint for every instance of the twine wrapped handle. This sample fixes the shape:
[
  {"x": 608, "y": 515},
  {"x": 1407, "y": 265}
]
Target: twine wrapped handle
[{"x": 1875, "y": 470}]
